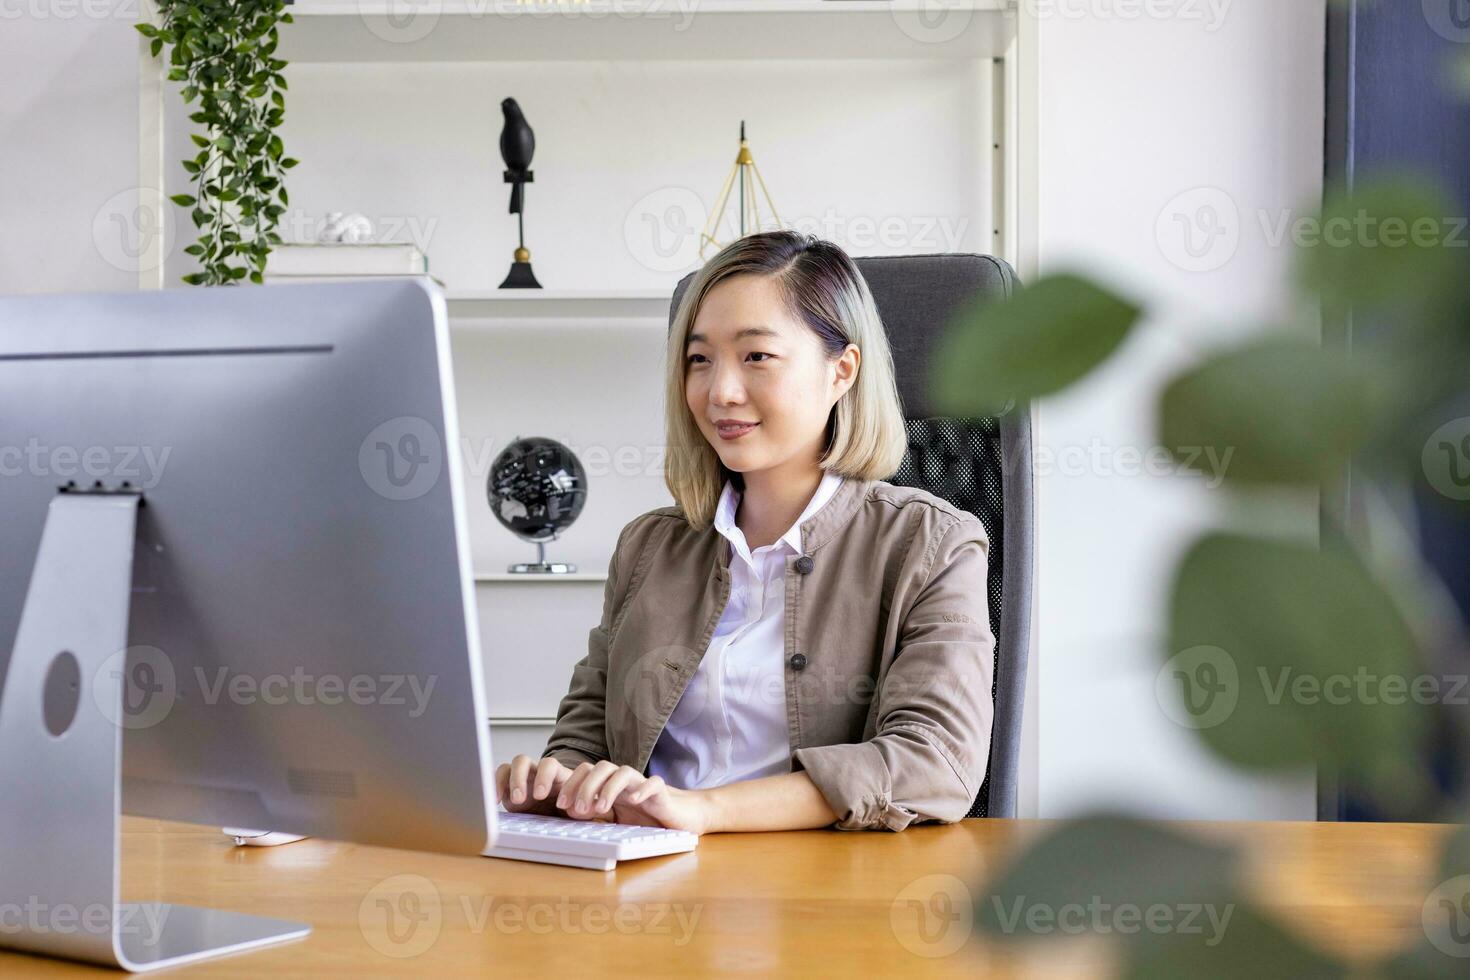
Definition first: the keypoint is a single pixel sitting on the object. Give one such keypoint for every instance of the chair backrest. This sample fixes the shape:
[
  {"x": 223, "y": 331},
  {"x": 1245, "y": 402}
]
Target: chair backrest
[{"x": 981, "y": 465}]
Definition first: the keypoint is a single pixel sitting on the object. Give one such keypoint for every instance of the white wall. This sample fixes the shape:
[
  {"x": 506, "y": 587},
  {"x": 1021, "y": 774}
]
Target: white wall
[
  {"x": 69, "y": 146},
  {"x": 1135, "y": 112}
]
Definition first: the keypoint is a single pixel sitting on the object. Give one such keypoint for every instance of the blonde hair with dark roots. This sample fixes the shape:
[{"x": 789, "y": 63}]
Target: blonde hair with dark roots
[{"x": 865, "y": 436}]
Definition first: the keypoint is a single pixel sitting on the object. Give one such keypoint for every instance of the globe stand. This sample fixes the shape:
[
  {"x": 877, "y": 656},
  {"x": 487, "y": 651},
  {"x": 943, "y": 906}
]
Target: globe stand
[{"x": 541, "y": 566}]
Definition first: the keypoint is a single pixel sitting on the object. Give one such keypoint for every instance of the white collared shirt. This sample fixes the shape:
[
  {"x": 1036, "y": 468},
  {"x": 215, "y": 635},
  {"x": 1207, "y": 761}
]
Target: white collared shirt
[{"x": 730, "y": 723}]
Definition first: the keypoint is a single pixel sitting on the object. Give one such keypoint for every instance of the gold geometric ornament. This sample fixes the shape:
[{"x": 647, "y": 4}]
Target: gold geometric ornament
[{"x": 747, "y": 177}]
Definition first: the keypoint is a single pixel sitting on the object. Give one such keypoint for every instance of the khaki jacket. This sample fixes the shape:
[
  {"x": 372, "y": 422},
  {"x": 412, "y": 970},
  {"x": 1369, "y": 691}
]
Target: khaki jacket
[{"x": 889, "y": 651}]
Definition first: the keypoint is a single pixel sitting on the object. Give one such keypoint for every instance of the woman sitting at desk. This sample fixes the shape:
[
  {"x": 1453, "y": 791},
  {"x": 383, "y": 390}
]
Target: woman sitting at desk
[{"x": 797, "y": 643}]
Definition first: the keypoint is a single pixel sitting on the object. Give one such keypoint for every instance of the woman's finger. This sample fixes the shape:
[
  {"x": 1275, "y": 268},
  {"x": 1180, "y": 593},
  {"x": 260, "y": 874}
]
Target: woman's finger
[
  {"x": 652, "y": 787},
  {"x": 502, "y": 781},
  {"x": 619, "y": 781},
  {"x": 572, "y": 785},
  {"x": 546, "y": 773},
  {"x": 588, "y": 790},
  {"x": 520, "y": 766}
]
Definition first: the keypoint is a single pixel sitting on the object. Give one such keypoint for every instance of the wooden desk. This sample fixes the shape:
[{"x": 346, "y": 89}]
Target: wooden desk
[{"x": 821, "y": 903}]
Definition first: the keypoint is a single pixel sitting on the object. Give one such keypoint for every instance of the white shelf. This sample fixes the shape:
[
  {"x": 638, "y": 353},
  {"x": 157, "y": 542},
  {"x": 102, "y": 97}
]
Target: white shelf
[
  {"x": 551, "y": 307},
  {"x": 614, "y": 30},
  {"x": 539, "y": 579}
]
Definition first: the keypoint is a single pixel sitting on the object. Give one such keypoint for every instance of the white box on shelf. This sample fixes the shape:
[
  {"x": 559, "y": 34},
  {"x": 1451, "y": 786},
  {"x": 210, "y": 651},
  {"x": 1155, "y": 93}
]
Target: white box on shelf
[{"x": 338, "y": 259}]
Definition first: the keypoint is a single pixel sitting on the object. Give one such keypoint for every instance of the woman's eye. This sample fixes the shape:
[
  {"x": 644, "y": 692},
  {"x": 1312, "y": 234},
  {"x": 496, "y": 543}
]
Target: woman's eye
[{"x": 691, "y": 357}]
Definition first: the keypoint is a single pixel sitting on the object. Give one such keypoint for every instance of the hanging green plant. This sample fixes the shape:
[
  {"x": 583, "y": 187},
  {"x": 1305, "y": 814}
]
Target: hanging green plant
[{"x": 224, "y": 53}]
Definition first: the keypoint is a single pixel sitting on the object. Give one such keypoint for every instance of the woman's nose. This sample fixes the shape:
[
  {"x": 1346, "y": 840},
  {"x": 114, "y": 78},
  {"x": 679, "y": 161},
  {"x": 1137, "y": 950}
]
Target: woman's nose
[{"x": 725, "y": 386}]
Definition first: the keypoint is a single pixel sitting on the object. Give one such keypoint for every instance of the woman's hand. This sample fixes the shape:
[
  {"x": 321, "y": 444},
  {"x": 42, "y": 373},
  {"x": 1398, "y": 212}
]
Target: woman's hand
[
  {"x": 622, "y": 794},
  {"x": 525, "y": 785}
]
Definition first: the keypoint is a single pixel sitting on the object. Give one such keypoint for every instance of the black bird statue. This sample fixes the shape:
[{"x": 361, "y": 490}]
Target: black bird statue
[{"x": 517, "y": 146}]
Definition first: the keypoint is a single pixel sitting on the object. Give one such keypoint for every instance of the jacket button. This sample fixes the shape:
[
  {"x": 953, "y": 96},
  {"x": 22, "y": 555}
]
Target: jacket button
[
  {"x": 804, "y": 564},
  {"x": 798, "y": 661}
]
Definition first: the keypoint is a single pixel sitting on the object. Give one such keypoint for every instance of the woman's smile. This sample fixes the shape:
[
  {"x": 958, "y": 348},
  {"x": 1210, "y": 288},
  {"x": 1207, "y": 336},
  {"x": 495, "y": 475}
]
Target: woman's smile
[{"x": 735, "y": 431}]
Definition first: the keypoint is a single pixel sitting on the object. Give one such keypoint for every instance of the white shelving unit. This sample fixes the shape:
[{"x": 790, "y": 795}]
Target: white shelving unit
[
  {"x": 627, "y": 30},
  {"x": 864, "y": 108},
  {"x": 550, "y": 307},
  {"x": 540, "y": 579}
]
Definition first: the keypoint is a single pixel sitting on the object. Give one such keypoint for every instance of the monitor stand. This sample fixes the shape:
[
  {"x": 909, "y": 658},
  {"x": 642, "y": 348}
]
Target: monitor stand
[{"x": 61, "y": 731}]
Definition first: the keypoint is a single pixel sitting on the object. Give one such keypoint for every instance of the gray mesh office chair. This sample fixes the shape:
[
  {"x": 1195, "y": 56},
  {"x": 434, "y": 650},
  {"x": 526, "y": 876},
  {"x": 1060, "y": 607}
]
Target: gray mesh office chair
[{"x": 982, "y": 465}]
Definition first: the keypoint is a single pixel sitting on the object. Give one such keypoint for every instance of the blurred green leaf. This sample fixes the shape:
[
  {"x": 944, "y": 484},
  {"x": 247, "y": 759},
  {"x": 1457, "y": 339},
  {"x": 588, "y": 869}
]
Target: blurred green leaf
[
  {"x": 1284, "y": 654},
  {"x": 1251, "y": 946},
  {"x": 1386, "y": 242},
  {"x": 1074, "y": 871},
  {"x": 1037, "y": 342},
  {"x": 1455, "y": 860},
  {"x": 1442, "y": 949},
  {"x": 1277, "y": 411}
]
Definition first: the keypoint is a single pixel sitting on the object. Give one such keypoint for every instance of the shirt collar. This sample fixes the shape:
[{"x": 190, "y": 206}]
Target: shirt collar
[{"x": 724, "y": 521}]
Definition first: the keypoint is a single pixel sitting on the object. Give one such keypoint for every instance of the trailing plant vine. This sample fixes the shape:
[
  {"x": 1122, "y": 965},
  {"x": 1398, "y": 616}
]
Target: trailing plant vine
[{"x": 224, "y": 53}]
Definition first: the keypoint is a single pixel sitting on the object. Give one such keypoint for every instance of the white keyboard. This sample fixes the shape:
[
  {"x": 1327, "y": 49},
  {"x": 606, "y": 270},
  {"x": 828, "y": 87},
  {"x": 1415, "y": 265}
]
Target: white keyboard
[{"x": 583, "y": 843}]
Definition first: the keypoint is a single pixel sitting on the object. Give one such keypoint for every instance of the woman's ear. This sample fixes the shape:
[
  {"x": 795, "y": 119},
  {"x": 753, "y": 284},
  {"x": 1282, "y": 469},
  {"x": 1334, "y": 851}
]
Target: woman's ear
[{"x": 845, "y": 370}]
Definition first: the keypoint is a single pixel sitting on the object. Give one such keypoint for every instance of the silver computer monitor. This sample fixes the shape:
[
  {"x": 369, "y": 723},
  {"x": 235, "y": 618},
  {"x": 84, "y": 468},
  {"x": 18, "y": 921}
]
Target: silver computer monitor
[{"x": 301, "y": 649}]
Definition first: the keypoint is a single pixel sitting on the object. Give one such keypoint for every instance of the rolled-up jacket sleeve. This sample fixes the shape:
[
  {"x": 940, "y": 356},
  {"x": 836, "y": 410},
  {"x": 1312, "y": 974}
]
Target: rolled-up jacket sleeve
[
  {"x": 580, "y": 734},
  {"x": 929, "y": 753}
]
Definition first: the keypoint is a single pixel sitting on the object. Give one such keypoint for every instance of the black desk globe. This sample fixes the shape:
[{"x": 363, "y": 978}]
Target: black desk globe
[{"x": 537, "y": 487}]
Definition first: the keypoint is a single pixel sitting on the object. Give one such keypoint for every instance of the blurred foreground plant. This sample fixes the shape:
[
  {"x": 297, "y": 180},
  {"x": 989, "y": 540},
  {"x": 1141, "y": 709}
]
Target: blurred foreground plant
[{"x": 1251, "y": 615}]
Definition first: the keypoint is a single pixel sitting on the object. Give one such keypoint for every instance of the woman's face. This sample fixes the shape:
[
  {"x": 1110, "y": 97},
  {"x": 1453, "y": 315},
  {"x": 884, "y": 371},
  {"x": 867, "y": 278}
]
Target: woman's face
[{"x": 749, "y": 360}]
